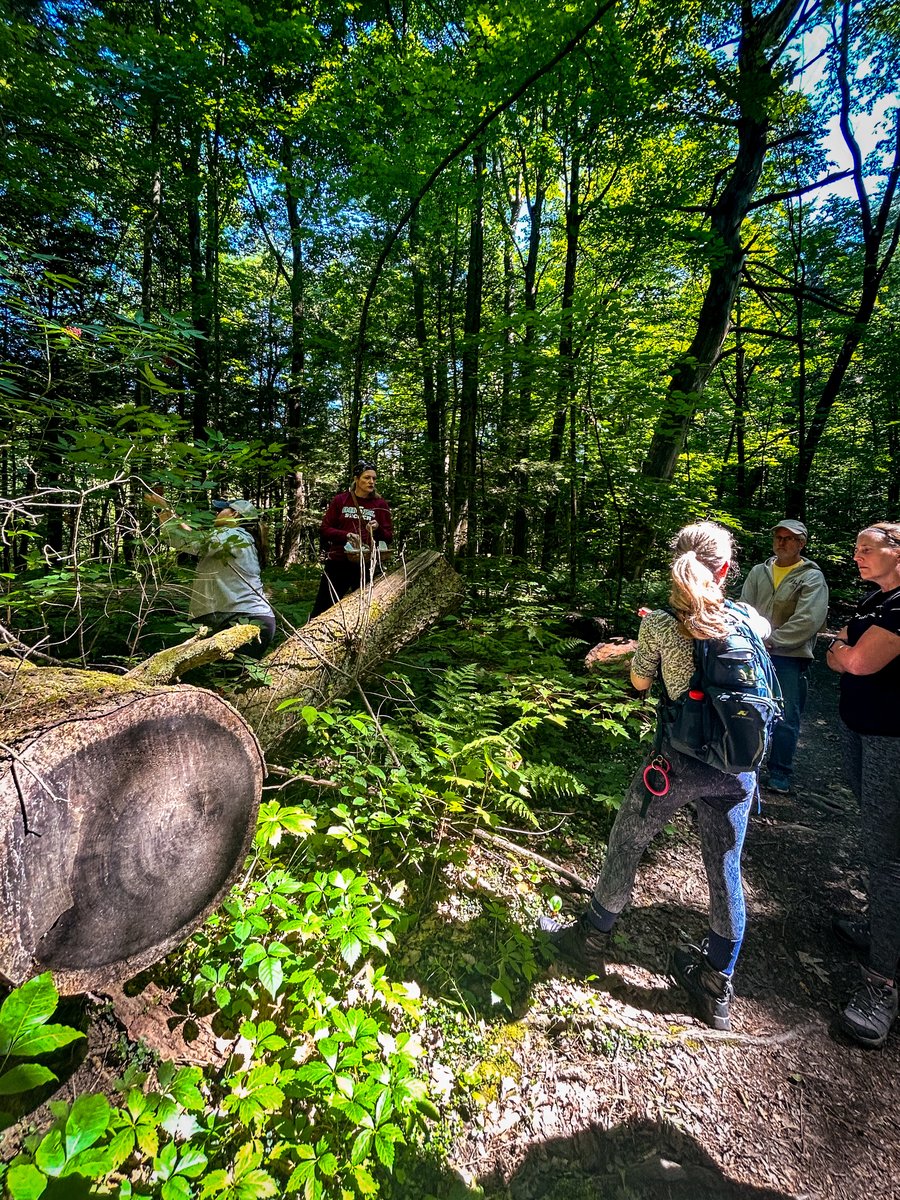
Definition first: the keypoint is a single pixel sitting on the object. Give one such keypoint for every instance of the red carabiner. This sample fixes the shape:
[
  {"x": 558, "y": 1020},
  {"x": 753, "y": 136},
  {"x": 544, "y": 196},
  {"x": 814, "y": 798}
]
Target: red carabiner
[{"x": 660, "y": 766}]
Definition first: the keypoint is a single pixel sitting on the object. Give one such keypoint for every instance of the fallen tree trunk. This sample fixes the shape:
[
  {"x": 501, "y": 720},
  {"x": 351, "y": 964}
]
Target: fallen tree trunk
[
  {"x": 126, "y": 811},
  {"x": 328, "y": 656},
  {"x": 128, "y": 805}
]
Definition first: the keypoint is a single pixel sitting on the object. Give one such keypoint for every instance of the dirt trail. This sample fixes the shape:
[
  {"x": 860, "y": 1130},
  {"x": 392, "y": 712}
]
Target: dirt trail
[{"x": 618, "y": 1093}]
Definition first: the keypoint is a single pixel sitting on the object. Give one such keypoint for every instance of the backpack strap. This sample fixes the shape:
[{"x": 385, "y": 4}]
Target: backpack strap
[{"x": 699, "y": 651}]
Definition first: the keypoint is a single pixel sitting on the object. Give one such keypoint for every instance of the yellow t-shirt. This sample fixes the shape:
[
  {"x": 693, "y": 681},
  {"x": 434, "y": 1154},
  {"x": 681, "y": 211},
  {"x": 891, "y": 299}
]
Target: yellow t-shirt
[{"x": 778, "y": 573}]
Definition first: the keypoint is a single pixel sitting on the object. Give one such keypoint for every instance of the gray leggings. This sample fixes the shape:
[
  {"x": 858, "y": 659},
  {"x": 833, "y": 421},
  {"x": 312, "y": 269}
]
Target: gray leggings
[
  {"x": 873, "y": 769},
  {"x": 723, "y": 808}
]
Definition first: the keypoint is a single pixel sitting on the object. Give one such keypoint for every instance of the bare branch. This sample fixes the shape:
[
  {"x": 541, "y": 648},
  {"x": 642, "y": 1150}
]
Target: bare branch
[{"x": 773, "y": 197}]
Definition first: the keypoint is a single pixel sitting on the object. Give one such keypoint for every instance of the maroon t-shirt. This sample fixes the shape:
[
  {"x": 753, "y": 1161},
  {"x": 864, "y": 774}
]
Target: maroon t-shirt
[{"x": 342, "y": 518}]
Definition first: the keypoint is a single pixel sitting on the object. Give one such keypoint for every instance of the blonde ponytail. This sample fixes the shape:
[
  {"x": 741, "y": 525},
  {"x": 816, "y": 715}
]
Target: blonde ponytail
[{"x": 697, "y": 596}]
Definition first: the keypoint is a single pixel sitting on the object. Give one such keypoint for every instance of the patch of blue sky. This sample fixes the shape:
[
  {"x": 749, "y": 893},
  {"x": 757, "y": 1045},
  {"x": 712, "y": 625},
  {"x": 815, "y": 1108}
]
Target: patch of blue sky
[{"x": 868, "y": 127}]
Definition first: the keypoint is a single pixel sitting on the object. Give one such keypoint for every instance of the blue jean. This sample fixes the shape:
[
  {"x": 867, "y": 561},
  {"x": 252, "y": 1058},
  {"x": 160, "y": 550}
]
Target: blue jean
[
  {"x": 722, "y": 803},
  {"x": 794, "y": 680}
]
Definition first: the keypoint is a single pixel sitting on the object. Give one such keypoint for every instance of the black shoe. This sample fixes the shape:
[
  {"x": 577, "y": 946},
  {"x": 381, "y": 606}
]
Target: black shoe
[
  {"x": 710, "y": 991},
  {"x": 581, "y": 943},
  {"x": 871, "y": 1012},
  {"x": 852, "y": 932}
]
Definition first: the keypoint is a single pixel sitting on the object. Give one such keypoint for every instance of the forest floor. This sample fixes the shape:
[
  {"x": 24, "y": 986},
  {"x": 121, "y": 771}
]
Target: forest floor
[{"x": 609, "y": 1089}]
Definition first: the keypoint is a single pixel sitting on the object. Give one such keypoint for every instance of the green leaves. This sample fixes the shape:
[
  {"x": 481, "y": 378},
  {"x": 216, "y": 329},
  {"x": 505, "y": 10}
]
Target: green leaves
[
  {"x": 70, "y": 1146},
  {"x": 23, "y": 1078},
  {"x": 244, "y": 1181},
  {"x": 175, "y": 1169},
  {"x": 25, "y": 1182},
  {"x": 25, "y": 1032},
  {"x": 87, "y": 1119},
  {"x": 316, "y": 1164},
  {"x": 24, "y": 1014},
  {"x": 276, "y": 819}
]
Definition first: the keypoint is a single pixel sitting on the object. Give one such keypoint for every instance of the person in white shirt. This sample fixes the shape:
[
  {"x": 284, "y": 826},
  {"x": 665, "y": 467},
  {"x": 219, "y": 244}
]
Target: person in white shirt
[{"x": 227, "y": 588}]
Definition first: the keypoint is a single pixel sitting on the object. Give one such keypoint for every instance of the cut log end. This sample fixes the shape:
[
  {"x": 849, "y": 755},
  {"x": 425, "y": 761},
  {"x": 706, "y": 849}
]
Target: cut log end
[{"x": 125, "y": 823}]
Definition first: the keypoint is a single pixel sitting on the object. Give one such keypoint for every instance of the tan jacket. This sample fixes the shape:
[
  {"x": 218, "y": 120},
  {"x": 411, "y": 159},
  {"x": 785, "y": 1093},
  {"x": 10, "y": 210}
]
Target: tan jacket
[{"x": 796, "y": 611}]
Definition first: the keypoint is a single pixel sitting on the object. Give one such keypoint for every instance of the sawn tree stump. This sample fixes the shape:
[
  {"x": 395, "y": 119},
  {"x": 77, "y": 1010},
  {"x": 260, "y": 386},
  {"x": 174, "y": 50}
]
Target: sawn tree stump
[
  {"x": 128, "y": 804},
  {"x": 126, "y": 811}
]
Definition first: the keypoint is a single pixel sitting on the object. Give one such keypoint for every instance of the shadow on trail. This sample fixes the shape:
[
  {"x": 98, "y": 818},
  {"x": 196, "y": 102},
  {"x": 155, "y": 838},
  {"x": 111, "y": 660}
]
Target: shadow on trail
[
  {"x": 638, "y": 1160},
  {"x": 458, "y": 961}
]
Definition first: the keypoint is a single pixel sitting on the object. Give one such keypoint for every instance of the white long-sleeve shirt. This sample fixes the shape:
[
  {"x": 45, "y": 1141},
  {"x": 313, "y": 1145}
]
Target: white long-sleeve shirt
[{"x": 227, "y": 579}]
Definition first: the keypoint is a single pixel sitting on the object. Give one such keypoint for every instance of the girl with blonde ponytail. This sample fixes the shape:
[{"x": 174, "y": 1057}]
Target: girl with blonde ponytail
[
  {"x": 702, "y": 555},
  {"x": 702, "y": 558}
]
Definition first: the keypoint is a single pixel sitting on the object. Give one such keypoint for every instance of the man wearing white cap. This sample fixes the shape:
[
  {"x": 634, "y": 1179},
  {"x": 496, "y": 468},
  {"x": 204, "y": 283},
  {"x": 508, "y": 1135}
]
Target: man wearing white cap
[{"x": 791, "y": 593}]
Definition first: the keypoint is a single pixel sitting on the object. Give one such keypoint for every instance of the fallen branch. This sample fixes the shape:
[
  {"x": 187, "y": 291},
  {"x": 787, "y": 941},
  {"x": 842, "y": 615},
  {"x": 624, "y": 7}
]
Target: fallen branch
[
  {"x": 293, "y": 777},
  {"x": 494, "y": 839},
  {"x": 169, "y": 665},
  {"x": 24, "y": 651}
]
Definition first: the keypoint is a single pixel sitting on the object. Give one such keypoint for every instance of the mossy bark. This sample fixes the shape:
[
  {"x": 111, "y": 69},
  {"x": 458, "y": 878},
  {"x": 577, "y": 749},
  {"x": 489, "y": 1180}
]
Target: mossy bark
[
  {"x": 327, "y": 657},
  {"x": 128, "y": 806},
  {"x": 169, "y": 665}
]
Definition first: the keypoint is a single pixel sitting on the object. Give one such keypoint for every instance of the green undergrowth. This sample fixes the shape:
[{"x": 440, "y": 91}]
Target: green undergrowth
[{"x": 372, "y": 971}]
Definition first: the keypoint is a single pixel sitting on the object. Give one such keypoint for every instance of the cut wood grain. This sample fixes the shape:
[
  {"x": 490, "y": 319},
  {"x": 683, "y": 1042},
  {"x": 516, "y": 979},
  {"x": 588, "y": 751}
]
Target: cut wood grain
[{"x": 126, "y": 811}]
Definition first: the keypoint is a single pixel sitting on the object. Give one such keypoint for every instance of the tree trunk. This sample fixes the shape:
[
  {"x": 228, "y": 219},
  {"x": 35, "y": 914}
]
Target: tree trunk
[
  {"x": 464, "y": 493},
  {"x": 127, "y": 812},
  {"x": 756, "y": 82},
  {"x": 434, "y": 414},
  {"x": 199, "y": 288},
  {"x": 881, "y": 236},
  {"x": 328, "y": 656},
  {"x": 565, "y": 386},
  {"x": 528, "y": 364},
  {"x": 297, "y": 415},
  {"x": 127, "y": 807}
]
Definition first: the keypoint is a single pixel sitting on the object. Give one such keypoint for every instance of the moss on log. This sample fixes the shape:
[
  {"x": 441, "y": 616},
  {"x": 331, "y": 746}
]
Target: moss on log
[
  {"x": 169, "y": 665},
  {"x": 328, "y": 656}
]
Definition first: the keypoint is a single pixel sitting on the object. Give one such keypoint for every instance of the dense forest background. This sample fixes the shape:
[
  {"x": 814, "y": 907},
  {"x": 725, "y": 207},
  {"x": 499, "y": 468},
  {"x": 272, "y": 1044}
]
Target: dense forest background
[
  {"x": 567, "y": 276},
  {"x": 570, "y": 275}
]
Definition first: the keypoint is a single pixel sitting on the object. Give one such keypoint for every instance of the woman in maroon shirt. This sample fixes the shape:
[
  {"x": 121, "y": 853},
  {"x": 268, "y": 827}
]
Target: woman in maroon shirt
[{"x": 357, "y": 521}]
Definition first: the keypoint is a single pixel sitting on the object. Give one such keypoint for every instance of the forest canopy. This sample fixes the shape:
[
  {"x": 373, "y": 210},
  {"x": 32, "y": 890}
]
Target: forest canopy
[{"x": 569, "y": 276}]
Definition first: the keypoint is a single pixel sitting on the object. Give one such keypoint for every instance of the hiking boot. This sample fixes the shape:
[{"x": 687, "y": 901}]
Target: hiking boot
[
  {"x": 871, "y": 1012},
  {"x": 581, "y": 943},
  {"x": 779, "y": 785},
  {"x": 710, "y": 991},
  {"x": 852, "y": 932}
]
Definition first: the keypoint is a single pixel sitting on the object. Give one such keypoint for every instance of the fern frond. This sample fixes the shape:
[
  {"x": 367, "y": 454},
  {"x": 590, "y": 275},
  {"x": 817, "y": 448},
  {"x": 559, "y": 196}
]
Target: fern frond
[{"x": 547, "y": 780}]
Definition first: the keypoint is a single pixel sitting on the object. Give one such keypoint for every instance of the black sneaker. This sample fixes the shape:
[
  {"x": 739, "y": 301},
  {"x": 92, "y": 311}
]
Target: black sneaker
[
  {"x": 710, "y": 991},
  {"x": 871, "y": 1012},
  {"x": 852, "y": 932},
  {"x": 581, "y": 943}
]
